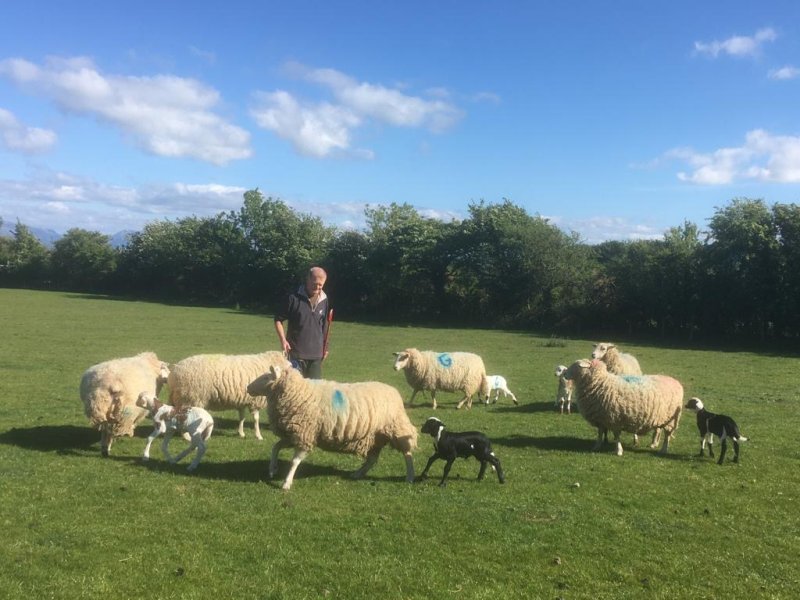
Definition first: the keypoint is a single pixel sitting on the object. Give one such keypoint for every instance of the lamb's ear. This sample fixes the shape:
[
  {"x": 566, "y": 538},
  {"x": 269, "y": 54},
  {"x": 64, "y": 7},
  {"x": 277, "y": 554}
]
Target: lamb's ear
[{"x": 275, "y": 370}]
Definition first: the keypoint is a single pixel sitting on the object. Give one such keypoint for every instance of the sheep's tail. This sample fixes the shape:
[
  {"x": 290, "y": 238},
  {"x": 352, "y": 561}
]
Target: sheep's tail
[{"x": 740, "y": 438}]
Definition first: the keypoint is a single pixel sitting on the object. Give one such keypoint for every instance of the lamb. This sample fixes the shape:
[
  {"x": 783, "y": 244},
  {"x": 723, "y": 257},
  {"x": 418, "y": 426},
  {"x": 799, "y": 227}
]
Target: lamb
[
  {"x": 564, "y": 394},
  {"x": 357, "y": 418},
  {"x": 109, "y": 391},
  {"x": 626, "y": 402},
  {"x": 495, "y": 384},
  {"x": 167, "y": 420},
  {"x": 711, "y": 424},
  {"x": 449, "y": 445},
  {"x": 445, "y": 371},
  {"x": 219, "y": 382}
]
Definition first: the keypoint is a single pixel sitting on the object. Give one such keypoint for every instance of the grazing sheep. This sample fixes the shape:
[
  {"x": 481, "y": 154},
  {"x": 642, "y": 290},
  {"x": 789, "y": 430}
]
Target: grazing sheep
[
  {"x": 711, "y": 424},
  {"x": 219, "y": 382},
  {"x": 109, "y": 391},
  {"x": 495, "y": 384},
  {"x": 445, "y": 371},
  {"x": 630, "y": 403},
  {"x": 449, "y": 445},
  {"x": 564, "y": 394},
  {"x": 357, "y": 418},
  {"x": 167, "y": 419}
]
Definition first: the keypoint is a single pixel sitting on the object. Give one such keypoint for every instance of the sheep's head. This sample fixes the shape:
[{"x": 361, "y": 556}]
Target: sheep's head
[
  {"x": 560, "y": 370},
  {"x": 484, "y": 391},
  {"x": 401, "y": 360},
  {"x": 579, "y": 369},
  {"x": 601, "y": 349},
  {"x": 432, "y": 426},
  {"x": 695, "y": 404},
  {"x": 260, "y": 385},
  {"x": 145, "y": 400}
]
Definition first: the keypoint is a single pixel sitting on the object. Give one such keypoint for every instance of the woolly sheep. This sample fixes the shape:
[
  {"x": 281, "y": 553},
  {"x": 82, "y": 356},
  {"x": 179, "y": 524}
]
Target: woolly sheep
[
  {"x": 564, "y": 394},
  {"x": 219, "y": 382},
  {"x": 445, "y": 371},
  {"x": 167, "y": 420},
  {"x": 495, "y": 384},
  {"x": 618, "y": 362},
  {"x": 626, "y": 402},
  {"x": 357, "y": 418},
  {"x": 109, "y": 391}
]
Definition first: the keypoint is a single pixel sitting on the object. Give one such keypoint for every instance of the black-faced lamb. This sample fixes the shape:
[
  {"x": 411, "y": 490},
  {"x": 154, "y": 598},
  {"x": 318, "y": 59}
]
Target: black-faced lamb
[
  {"x": 618, "y": 403},
  {"x": 449, "y": 445},
  {"x": 711, "y": 424},
  {"x": 441, "y": 371},
  {"x": 168, "y": 420},
  {"x": 493, "y": 385},
  {"x": 564, "y": 393},
  {"x": 109, "y": 391},
  {"x": 219, "y": 382},
  {"x": 356, "y": 418}
]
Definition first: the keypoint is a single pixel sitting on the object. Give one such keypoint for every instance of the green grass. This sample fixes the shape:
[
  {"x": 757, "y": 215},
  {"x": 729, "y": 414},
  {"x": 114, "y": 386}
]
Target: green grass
[{"x": 76, "y": 525}]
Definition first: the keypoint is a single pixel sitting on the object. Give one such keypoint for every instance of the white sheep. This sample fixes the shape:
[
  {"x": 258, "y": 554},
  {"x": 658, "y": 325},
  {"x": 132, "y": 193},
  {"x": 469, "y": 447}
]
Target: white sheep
[
  {"x": 219, "y": 382},
  {"x": 633, "y": 403},
  {"x": 357, "y": 418},
  {"x": 109, "y": 391},
  {"x": 494, "y": 384},
  {"x": 445, "y": 371},
  {"x": 167, "y": 420},
  {"x": 564, "y": 393}
]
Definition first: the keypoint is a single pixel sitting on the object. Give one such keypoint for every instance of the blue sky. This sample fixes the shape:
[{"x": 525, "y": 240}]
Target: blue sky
[{"x": 616, "y": 120}]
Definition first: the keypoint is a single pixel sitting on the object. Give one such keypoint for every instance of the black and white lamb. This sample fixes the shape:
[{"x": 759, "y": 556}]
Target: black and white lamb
[{"x": 711, "y": 424}]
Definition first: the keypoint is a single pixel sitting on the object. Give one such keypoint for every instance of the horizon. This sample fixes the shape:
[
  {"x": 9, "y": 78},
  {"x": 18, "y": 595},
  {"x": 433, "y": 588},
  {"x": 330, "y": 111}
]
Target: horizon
[{"x": 616, "y": 123}]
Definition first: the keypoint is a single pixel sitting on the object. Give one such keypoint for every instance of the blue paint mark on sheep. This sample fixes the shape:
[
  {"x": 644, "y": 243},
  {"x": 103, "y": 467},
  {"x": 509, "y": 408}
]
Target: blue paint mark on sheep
[
  {"x": 634, "y": 379},
  {"x": 338, "y": 401},
  {"x": 445, "y": 360}
]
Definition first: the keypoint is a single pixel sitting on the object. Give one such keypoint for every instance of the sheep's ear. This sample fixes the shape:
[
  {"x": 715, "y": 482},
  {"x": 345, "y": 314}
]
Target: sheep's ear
[
  {"x": 275, "y": 371},
  {"x": 395, "y": 354}
]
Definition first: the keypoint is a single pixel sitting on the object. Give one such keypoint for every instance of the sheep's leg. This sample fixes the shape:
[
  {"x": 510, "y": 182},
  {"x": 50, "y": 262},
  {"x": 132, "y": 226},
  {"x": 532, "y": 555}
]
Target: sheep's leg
[
  {"x": 298, "y": 457},
  {"x": 256, "y": 424},
  {"x": 150, "y": 439},
  {"x": 482, "y": 471},
  {"x": 665, "y": 445},
  {"x": 723, "y": 450},
  {"x": 467, "y": 399},
  {"x": 241, "y": 422},
  {"x": 495, "y": 462},
  {"x": 433, "y": 397},
  {"x": 195, "y": 445},
  {"x": 599, "y": 443},
  {"x": 273, "y": 460},
  {"x": 702, "y": 444},
  {"x": 447, "y": 466},
  {"x": 165, "y": 445},
  {"x": 618, "y": 442},
  {"x": 735, "y": 451},
  {"x": 635, "y": 440},
  {"x": 710, "y": 438},
  {"x": 413, "y": 395},
  {"x": 424, "y": 473},
  {"x": 409, "y": 467},
  {"x": 513, "y": 397},
  {"x": 106, "y": 439},
  {"x": 372, "y": 458}
]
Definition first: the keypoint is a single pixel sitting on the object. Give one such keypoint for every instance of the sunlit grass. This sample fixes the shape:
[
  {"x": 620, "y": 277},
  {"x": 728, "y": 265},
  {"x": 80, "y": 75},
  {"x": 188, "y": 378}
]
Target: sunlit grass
[{"x": 568, "y": 523}]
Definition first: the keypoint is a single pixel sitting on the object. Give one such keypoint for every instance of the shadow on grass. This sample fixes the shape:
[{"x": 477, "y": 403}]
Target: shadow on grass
[
  {"x": 526, "y": 408},
  {"x": 62, "y": 439},
  {"x": 562, "y": 443}
]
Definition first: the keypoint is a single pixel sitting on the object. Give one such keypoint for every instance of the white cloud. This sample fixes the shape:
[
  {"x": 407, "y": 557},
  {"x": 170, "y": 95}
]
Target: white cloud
[
  {"x": 763, "y": 157},
  {"x": 738, "y": 46},
  {"x": 165, "y": 115},
  {"x": 598, "y": 229},
  {"x": 784, "y": 73},
  {"x": 322, "y": 129},
  {"x": 20, "y": 138}
]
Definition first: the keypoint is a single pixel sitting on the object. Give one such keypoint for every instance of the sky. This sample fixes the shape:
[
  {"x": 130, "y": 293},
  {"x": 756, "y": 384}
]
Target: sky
[{"x": 614, "y": 120}]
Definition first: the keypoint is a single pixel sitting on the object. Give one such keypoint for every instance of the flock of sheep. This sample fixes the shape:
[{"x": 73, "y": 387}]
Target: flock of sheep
[{"x": 611, "y": 392}]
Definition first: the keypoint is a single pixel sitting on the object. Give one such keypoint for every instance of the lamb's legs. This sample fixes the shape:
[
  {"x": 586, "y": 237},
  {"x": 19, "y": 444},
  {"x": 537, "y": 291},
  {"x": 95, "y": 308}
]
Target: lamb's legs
[
  {"x": 165, "y": 445},
  {"x": 150, "y": 439},
  {"x": 723, "y": 450},
  {"x": 298, "y": 457},
  {"x": 735, "y": 451},
  {"x": 447, "y": 466},
  {"x": 710, "y": 439},
  {"x": 273, "y": 460},
  {"x": 431, "y": 460}
]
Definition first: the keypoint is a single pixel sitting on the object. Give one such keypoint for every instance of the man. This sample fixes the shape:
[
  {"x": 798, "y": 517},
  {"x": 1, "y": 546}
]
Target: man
[{"x": 307, "y": 312}]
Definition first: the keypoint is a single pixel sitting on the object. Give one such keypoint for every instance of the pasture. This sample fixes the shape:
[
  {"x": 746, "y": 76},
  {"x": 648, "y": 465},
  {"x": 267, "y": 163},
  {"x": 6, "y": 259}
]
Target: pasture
[{"x": 569, "y": 523}]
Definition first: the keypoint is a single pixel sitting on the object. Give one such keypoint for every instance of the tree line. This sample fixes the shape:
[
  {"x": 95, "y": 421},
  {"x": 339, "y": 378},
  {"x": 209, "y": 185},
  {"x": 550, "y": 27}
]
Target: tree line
[{"x": 499, "y": 267}]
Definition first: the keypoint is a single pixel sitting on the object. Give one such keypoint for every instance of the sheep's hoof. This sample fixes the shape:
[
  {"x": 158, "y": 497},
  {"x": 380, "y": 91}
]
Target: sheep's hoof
[{"x": 286, "y": 487}]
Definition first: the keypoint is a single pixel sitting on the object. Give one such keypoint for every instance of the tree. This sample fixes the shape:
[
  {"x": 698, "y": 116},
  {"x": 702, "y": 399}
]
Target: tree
[
  {"x": 83, "y": 261},
  {"x": 29, "y": 259}
]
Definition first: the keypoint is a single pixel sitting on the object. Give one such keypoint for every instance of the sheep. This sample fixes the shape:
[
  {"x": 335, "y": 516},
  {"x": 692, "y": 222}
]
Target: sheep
[
  {"x": 564, "y": 394},
  {"x": 109, "y": 391},
  {"x": 167, "y": 419},
  {"x": 357, "y": 418},
  {"x": 449, "y": 445},
  {"x": 711, "y": 424},
  {"x": 626, "y": 402},
  {"x": 496, "y": 384},
  {"x": 219, "y": 382},
  {"x": 445, "y": 371}
]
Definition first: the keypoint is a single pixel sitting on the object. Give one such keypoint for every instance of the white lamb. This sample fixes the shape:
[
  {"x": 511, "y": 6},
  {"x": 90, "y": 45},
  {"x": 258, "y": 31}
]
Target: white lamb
[
  {"x": 219, "y": 382},
  {"x": 192, "y": 420},
  {"x": 630, "y": 403},
  {"x": 445, "y": 371},
  {"x": 109, "y": 391},
  {"x": 564, "y": 394},
  {"x": 357, "y": 418},
  {"x": 494, "y": 384}
]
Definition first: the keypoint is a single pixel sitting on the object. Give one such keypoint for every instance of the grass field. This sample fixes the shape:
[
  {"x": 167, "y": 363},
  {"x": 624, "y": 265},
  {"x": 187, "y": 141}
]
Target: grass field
[{"x": 76, "y": 525}]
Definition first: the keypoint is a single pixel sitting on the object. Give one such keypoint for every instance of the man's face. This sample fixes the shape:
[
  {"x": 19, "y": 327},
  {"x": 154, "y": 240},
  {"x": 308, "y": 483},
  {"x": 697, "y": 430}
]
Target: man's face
[{"x": 314, "y": 284}]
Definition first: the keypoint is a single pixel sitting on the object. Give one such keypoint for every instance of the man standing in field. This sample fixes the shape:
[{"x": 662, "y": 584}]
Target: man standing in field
[{"x": 307, "y": 312}]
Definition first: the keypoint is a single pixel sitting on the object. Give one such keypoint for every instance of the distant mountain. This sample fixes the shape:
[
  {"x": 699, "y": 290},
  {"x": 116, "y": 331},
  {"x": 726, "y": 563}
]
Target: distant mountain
[{"x": 48, "y": 237}]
